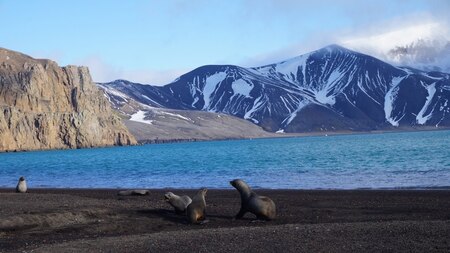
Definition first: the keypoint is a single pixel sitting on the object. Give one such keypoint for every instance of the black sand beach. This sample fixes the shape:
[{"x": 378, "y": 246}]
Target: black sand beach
[{"x": 61, "y": 220}]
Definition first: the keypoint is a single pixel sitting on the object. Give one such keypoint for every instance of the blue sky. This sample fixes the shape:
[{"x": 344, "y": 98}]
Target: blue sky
[{"x": 155, "y": 41}]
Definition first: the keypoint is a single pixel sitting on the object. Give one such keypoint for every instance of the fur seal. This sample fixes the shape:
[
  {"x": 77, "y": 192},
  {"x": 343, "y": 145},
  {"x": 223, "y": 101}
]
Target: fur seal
[
  {"x": 21, "y": 185},
  {"x": 180, "y": 203},
  {"x": 196, "y": 210},
  {"x": 261, "y": 206},
  {"x": 133, "y": 192}
]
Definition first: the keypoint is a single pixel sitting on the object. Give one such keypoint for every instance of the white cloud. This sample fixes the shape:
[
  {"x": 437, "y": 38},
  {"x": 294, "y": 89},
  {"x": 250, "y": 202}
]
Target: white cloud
[
  {"x": 429, "y": 36},
  {"x": 377, "y": 40},
  {"x": 380, "y": 44},
  {"x": 367, "y": 32},
  {"x": 421, "y": 43}
]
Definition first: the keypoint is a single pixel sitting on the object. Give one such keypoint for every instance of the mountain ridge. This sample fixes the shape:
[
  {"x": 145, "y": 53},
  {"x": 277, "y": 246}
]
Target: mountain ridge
[{"x": 332, "y": 88}]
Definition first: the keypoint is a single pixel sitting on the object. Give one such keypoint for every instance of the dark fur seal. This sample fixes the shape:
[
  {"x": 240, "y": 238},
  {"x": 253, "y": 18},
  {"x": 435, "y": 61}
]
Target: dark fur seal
[
  {"x": 180, "y": 203},
  {"x": 196, "y": 210},
  {"x": 263, "y": 207},
  {"x": 21, "y": 185},
  {"x": 133, "y": 192}
]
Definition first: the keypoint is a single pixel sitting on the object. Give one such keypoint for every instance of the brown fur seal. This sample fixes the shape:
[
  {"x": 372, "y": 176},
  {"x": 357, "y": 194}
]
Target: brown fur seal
[
  {"x": 22, "y": 185},
  {"x": 180, "y": 203},
  {"x": 196, "y": 210},
  {"x": 263, "y": 207}
]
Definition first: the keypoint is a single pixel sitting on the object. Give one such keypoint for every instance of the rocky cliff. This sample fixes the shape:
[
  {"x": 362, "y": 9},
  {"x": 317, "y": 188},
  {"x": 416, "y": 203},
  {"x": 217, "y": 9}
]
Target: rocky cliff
[{"x": 44, "y": 106}]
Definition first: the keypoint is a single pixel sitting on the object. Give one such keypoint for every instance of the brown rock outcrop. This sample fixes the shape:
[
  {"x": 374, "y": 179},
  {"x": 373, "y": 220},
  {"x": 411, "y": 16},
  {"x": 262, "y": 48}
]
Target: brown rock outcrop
[{"x": 44, "y": 106}]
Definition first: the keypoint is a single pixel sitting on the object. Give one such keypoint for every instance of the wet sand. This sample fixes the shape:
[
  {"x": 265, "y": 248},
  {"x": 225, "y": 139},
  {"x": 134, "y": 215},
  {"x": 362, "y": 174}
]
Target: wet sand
[{"x": 62, "y": 220}]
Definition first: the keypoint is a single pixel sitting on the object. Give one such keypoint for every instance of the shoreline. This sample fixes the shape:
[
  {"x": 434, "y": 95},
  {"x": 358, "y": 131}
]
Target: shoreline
[
  {"x": 275, "y": 136},
  {"x": 431, "y": 188},
  {"x": 298, "y": 135},
  {"x": 98, "y": 220}
]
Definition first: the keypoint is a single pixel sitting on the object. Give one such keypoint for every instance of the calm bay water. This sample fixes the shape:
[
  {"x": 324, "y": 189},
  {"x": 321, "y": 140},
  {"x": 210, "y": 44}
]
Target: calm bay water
[{"x": 391, "y": 160}]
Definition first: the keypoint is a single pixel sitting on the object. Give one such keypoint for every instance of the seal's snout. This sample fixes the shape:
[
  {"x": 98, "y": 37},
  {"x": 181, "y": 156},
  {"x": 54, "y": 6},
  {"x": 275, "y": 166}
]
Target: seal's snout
[{"x": 234, "y": 182}]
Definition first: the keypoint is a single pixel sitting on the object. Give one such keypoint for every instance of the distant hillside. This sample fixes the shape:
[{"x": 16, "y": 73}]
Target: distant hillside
[
  {"x": 331, "y": 89},
  {"x": 152, "y": 124}
]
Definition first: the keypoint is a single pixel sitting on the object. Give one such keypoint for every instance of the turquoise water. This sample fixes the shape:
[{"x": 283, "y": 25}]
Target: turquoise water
[{"x": 391, "y": 160}]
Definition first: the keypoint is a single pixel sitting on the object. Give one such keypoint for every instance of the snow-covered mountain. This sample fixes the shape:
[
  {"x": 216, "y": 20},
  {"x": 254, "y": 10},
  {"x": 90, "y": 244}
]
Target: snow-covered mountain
[{"x": 330, "y": 89}]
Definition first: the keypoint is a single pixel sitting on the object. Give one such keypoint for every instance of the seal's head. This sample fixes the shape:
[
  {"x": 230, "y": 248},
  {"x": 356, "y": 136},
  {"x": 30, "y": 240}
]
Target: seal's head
[
  {"x": 237, "y": 183},
  {"x": 203, "y": 191},
  {"x": 168, "y": 196}
]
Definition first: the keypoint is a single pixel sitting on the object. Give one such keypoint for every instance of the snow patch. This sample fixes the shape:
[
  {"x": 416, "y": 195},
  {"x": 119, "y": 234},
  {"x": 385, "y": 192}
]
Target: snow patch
[
  {"x": 107, "y": 97},
  {"x": 260, "y": 70},
  {"x": 359, "y": 83},
  {"x": 322, "y": 97},
  {"x": 291, "y": 66},
  {"x": 139, "y": 116},
  {"x": 421, "y": 118},
  {"x": 257, "y": 104},
  {"x": 147, "y": 98},
  {"x": 241, "y": 87},
  {"x": 281, "y": 131},
  {"x": 175, "y": 115},
  {"x": 442, "y": 107},
  {"x": 433, "y": 77},
  {"x": 292, "y": 116},
  {"x": 211, "y": 83},
  {"x": 151, "y": 100},
  {"x": 288, "y": 68},
  {"x": 389, "y": 100},
  {"x": 195, "y": 101},
  {"x": 116, "y": 93},
  {"x": 193, "y": 87}
]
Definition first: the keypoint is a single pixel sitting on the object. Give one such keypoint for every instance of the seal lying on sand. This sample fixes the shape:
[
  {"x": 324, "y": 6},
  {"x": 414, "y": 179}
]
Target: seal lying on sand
[
  {"x": 21, "y": 185},
  {"x": 196, "y": 210},
  {"x": 133, "y": 192},
  {"x": 263, "y": 207},
  {"x": 180, "y": 203}
]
